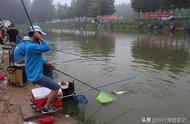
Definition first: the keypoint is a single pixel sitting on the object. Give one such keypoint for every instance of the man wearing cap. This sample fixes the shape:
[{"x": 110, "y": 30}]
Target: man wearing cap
[{"x": 34, "y": 65}]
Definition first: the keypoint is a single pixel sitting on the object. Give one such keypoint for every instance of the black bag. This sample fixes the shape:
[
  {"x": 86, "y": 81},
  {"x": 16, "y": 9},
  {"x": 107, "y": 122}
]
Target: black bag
[{"x": 69, "y": 101}]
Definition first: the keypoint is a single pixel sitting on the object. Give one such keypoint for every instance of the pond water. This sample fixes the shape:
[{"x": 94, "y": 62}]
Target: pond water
[{"x": 161, "y": 64}]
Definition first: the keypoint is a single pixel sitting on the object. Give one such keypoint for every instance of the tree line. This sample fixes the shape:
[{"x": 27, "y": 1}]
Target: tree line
[
  {"x": 13, "y": 10},
  {"x": 44, "y": 10},
  {"x": 125, "y": 10},
  {"x": 87, "y": 8},
  {"x": 159, "y": 5}
]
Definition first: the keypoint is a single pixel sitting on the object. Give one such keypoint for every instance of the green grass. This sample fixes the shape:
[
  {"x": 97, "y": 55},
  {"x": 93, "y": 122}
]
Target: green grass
[
  {"x": 79, "y": 113},
  {"x": 85, "y": 118}
]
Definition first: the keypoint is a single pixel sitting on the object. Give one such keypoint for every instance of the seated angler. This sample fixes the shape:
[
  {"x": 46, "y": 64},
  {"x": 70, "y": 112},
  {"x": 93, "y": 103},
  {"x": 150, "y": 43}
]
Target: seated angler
[
  {"x": 34, "y": 65},
  {"x": 19, "y": 56},
  {"x": 19, "y": 51}
]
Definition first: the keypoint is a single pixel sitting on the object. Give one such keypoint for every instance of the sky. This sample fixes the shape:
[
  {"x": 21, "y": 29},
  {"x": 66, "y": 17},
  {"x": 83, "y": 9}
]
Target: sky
[{"x": 69, "y": 1}]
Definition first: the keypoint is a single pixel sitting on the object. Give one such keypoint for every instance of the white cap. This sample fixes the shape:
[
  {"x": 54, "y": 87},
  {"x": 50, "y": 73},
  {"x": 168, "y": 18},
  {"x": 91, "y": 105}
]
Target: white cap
[{"x": 36, "y": 28}]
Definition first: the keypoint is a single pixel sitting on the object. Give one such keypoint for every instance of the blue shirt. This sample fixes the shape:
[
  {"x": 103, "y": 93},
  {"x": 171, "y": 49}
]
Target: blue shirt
[
  {"x": 19, "y": 51},
  {"x": 34, "y": 60}
]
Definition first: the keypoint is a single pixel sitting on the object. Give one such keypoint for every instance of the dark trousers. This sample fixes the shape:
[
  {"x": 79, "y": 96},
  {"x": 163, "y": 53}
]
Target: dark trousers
[{"x": 48, "y": 71}]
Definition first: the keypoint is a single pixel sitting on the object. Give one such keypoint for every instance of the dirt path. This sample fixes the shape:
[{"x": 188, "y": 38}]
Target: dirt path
[{"x": 13, "y": 97}]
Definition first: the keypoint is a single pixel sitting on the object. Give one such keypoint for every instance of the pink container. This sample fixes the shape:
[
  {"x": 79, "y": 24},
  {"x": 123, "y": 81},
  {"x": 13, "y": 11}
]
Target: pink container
[
  {"x": 47, "y": 119},
  {"x": 2, "y": 76}
]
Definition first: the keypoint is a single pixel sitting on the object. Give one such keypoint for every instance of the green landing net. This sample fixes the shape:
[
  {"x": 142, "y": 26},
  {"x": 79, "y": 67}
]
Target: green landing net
[{"x": 105, "y": 98}]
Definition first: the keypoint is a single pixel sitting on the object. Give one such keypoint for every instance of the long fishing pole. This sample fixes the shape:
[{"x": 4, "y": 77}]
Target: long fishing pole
[
  {"x": 27, "y": 15},
  {"x": 75, "y": 54},
  {"x": 109, "y": 84},
  {"x": 66, "y": 61},
  {"x": 77, "y": 80},
  {"x": 101, "y": 86}
]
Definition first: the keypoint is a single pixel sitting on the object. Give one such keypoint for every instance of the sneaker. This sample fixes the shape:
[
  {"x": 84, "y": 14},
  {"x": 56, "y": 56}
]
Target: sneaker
[
  {"x": 50, "y": 109},
  {"x": 33, "y": 104}
]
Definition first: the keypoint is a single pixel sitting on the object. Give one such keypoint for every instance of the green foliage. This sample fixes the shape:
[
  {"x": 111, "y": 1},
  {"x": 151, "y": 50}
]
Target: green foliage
[
  {"x": 1, "y": 68},
  {"x": 80, "y": 113},
  {"x": 156, "y": 5},
  {"x": 85, "y": 118},
  {"x": 179, "y": 4},
  {"x": 62, "y": 11},
  {"x": 13, "y": 10},
  {"x": 88, "y": 8},
  {"x": 107, "y": 7},
  {"x": 42, "y": 10},
  {"x": 126, "y": 11}
]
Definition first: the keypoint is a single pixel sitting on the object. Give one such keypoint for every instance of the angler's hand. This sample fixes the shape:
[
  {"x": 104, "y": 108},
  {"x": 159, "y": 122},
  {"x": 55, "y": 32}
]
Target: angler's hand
[
  {"x": 38, "y": 36},
  {"x": 50, "y": 66},
  {"x": 63, "y": 82}
]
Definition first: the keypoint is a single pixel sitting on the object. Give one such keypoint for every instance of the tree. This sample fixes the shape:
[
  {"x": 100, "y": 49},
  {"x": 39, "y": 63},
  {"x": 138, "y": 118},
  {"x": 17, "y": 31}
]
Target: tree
[
  {"x": 107, "y": 7},
  {"x": 13, "y": 10},
  {"x": 165, "y": 5},
  {"x": 81, "y": 6},
  {"x": 179, "y": 4},
  {"x": 145, "y": 5},
  {"x": 42, "y": 10},
  {"x": 125, "y": 10},
  {"x": 63, "y": 11},
  {"x": 92, "y": 8},
  {"x": 156, "y": 5}
]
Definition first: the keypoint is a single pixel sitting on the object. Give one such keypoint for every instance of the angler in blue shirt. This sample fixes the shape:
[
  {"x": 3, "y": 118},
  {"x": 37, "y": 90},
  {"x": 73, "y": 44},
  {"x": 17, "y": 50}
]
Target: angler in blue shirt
[
  {"x": 19, "y": 56},
  {"x": 19, "y": 51},
  {"x": 34, "y": 65}
]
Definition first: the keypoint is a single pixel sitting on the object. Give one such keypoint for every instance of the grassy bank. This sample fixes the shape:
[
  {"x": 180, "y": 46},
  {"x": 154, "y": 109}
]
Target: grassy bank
[
  {"x": 119, "y": 25},
  {"x": 79, "y": 113}
]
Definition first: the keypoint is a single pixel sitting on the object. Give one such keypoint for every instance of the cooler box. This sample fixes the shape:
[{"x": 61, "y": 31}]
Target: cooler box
[{"x": 39, "y": 97}]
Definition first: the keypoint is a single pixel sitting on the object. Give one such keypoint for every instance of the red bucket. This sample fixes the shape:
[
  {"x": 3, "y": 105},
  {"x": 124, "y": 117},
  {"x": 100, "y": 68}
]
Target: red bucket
[
  {"x": 47, "y": 119},
  {"x": 2, "y": 76}
]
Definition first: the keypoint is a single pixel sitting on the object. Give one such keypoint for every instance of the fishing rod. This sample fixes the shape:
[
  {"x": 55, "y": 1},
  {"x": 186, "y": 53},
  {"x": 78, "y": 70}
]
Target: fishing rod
[
  {"x": 75, "y": 54},
  {"x": 109, "y": 84},
  {"x": 101, "y": 86},
  {"x": 66, "y": 61},
  {"x": 92, "y": 87},
  {"x": 27, "y": 15},
  {"x": 77, "y": 80},
  {"x": 103, "y": 97}
]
